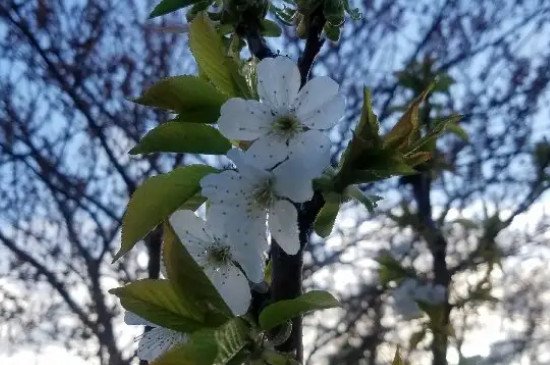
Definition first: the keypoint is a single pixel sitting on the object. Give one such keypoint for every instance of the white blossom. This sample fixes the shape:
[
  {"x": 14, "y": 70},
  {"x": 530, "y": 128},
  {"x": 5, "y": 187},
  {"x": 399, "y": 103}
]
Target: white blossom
[
  {"x": 210, "y": 246},
  {"x": 287, "y": 121},
  {"x": 245, "y": 198},
  {"x": 410, "y": 291},
  {"x": 156, "y": 341}
]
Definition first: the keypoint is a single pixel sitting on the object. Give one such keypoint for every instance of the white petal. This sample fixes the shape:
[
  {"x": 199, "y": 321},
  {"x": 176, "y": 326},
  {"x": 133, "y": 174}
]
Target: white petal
[
  {"x": 232, "y": 286},
  {"x": 311, "y": 150},
  {"x": 324, "y": 116},
  {"x": 249, "y": 245},
  {"x": 244, "y": 119},
  {"x": 315, "y": 93},
  {"x": 132, "y": 319},
  {"x": 191, "y": 230},
  {"x": 291, "y": 181},
  {"x": 278, "y": 82},
  {"x": 283, "y": 225},
  {"x": 225, "y": 187},
  {"x": 242, "y": 226},
  {"x": 319, "y": 105},
  {"x": 267, "y": 151},
  {"x": 248, "y": 167},
  {"x": 157, "y": 341}
]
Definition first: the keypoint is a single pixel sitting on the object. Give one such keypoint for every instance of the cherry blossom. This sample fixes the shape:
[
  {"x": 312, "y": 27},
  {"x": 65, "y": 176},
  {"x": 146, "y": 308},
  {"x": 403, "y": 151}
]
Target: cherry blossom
[
  {"x": 210, "y": 246},
  {"x": 286, "y": 121},
  {"x": 246, "y": 197}
]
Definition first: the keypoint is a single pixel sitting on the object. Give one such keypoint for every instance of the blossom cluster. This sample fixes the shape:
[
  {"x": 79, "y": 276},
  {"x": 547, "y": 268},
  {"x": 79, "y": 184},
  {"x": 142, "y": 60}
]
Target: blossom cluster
[{"x": 286, "y": 148}]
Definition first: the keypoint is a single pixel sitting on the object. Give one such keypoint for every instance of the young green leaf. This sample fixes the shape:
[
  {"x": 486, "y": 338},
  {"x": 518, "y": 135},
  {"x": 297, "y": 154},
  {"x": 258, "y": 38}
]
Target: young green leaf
[
  {"x": 200, "y": 349},
  {"x": 157, "y": 302},
  {"x": 168, "y": 6},
  {"x": 231, "y": 338},
  {"x": 210, "y": 346},
  {"x": 207, "y": 47},
  {"x": 156, "y": 199},
  {"x": 281, "y": 311},
  {"x": 183, "y": 138},
  {"x": 407, "y": 129},
  {"x": 370, "y": 202},
  {"x": 324, "y": 222},
  {"x": 189, "y": 280},
  {"x": 191, "y": 96}
]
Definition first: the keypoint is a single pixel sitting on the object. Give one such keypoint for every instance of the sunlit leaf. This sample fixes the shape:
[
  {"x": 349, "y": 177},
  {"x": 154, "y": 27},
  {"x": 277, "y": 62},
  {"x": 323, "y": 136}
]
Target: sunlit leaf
[
  {"x": 207, "y": 47},
  {"x": 194, "y": 98},
  {"x": 156, "y": 301},
  {"x": 281, "y": 311},
  {"x": 324, "y": 222},
  {"x": 156, "y": 199},
  {"x": 183, "y": 138}
]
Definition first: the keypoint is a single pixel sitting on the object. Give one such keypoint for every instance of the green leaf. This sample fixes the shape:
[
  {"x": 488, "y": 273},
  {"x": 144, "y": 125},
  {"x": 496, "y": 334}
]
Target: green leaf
[
  {"x": 231, "y": 338},
  {"x": 190, "y": 281},
  {"x": 430, "y": 138},
  {"x": 210, "y": 346},
  {"x": 397, "y": 358},
  {"x": 168, "y": 6},
  {"x": 183, "y": 138},
  {"x": 366, "y": 141},
  {"x": 200, "y": 349},
  {"x": 370, "y": 202},
  {"x": 324, "y": 222},
  {"x": 407, "y": 129},
  {"x": 157, "y": 302},
  {"x": 191, "y": 96},
  {"x": 156, "y": 199},
  {"x": 281, "y": 311},
  {"x": 207, "y": 47},
  {"x": 270, "y": 28}
]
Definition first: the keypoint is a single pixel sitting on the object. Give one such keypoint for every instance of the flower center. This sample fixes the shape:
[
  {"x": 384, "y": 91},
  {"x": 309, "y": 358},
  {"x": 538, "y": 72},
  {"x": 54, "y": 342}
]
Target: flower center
[
  {"x": 219, "y": 256},
  {"x": 263, "y": 194},
  {"x": 286, "y": 126}
]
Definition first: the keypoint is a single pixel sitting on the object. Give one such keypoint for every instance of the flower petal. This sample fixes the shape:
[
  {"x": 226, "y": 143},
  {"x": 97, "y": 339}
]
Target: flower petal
[
  {"x": 315, "y": 93},
  {"x": 232, "y": 286},
  {"x": 249, "y": 244},
  {"x": 157, "y": 341},
  {"x": 243, "y": 226},
  {"x": 267, "y": 151},
  {"x": 244, "y": 120},
  {"x": 326, "y": 115},
  {"x": 292, "y": 182},
  {"x": 132, "y": 319},
  {"x": 248, "y": 167},
  {"x": 311, "y": 152},
  {"x": 283, "y": 225},
  {"x": 225, "y": 187},
  {"x": 191, "y": 230},
  {"x": 319, "y": 105},
  {"x": 278, "y": 82}
]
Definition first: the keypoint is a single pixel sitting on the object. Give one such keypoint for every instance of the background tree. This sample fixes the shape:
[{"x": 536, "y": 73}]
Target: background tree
[
  {"x": 65, "y": 130},
  {"x": 65, "y": 176}
]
